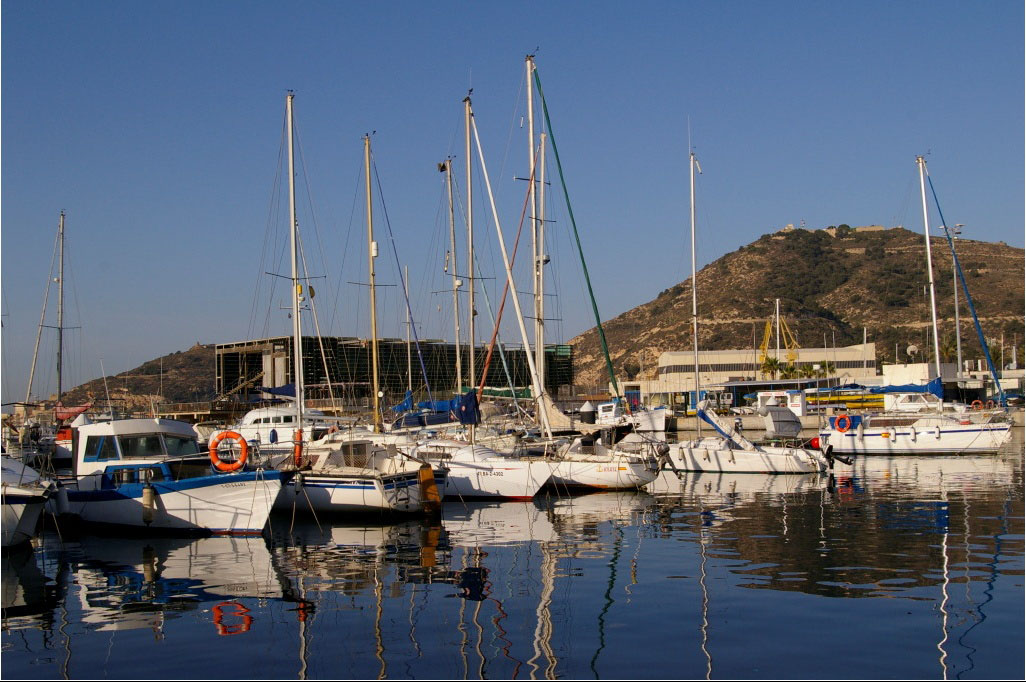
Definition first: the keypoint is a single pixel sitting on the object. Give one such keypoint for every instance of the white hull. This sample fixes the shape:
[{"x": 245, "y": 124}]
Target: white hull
[
  {"x": 949, "y": 439},
  {"x": 500, "y": 478},
  {"x": 712, "y": 455},
  {"x": 352, "y": 492},
  {"x": 613, "y": 472},
  {"x": 21, "y": 519},
  {"x": 217, "y": 504}
]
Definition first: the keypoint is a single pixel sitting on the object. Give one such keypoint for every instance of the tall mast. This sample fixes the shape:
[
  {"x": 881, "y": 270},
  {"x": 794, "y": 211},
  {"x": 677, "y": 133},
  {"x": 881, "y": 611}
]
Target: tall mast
[
  {"x": 539, "y": 331},
  {"x": 921, "y": 162},
  {"x": 468, "y": 117},
  {"x": 42, "y": 313},
  {"x": 409, "y": 322},
  {"x": 446, "y": 167},
  {"x": 540, "y": 310},
  {"x": 694, "y": 282},
  {"x": 372, "y": 249},
  {"x": 297, "y": 288},
  {"x": 60, "y": 313}
]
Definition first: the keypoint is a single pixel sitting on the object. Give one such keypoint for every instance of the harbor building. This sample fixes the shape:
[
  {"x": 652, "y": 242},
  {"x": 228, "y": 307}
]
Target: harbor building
[
  {"x": 675, "y": 371},
  {"x": 344, "y": 364}
]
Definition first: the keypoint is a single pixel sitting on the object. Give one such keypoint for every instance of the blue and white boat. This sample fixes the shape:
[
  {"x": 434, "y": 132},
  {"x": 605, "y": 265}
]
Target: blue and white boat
[{"x": 154, "y": 474}]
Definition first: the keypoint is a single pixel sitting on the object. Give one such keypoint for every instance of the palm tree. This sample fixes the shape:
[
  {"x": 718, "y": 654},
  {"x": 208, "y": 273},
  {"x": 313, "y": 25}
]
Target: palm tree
[{"x": 770, "y": 366}]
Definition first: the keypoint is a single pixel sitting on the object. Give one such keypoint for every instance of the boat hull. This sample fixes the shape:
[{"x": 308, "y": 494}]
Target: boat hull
[
  {"x": 22, "y": 510},
  {"x": 958, "y": 439},
  {"x": 352, "y": 492},
  {"x": 714, "y": 457},
  {"x": 616, "y": 472},
  {"x": 496, "y": 478},
  {"x": 219, "y": 504}
]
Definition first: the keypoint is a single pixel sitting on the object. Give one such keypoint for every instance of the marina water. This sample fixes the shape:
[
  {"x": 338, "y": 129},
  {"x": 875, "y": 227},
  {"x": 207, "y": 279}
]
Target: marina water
[{"x": 899, "y": 568}]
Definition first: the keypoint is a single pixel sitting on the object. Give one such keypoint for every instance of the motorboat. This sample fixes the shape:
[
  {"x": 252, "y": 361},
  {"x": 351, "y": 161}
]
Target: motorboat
[
  {"x": 155, "y": 475},
  {"x": 25, "y": 493}
]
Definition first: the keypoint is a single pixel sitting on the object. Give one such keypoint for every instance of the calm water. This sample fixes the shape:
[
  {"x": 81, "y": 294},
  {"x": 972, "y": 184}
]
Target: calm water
[{"x": 903, "y": 569}]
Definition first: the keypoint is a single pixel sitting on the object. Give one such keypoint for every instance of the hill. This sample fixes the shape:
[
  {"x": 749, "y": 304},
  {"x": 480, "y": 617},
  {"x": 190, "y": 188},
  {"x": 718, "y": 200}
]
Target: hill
[
  {"x": 830, "y": 284},
  {"x": 183, "y": 376}
]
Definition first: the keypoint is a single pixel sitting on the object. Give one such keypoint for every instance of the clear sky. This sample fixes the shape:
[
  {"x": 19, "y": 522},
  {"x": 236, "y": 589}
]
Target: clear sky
[{"x": 157, "y": 127}]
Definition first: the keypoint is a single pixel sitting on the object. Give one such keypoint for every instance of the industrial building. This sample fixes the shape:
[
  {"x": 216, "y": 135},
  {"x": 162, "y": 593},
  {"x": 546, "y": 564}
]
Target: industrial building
[{"x": 344, "y": 364}]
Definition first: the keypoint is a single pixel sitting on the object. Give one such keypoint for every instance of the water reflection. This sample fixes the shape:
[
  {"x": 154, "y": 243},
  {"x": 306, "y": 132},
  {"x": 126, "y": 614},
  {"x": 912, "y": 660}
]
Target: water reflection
[{"x": 916, "y": 560}]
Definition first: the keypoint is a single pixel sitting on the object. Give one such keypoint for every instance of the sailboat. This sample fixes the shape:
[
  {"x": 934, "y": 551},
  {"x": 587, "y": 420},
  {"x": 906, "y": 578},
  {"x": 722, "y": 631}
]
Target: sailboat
[
  {"x": 341, "y": 472},
  {"x": 930, "y": 431},
  {"x": 728, "y": 450},
  {"x": 24, "y": 494},
  {"x": 573, "y": 464}
]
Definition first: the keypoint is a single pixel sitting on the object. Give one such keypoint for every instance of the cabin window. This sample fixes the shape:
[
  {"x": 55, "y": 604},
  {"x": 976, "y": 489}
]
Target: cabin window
[
  {"x": 100, "y": 448},
  {"x": 276, "y": 420},
  {"x": 181, "y": 445},
  {"x": 141, "y": 446},
  {"x": 289, "y": 419}
]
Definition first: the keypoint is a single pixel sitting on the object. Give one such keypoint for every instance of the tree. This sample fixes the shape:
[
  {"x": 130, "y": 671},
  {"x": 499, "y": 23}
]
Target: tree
[{"x": 770, "y": 366}]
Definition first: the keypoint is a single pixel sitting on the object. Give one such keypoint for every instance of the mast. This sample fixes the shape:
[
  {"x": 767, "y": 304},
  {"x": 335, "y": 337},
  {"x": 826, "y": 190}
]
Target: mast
[
  {"x": 372, "y": 252},
  {"x": 538, "y": 389},
  {"x": 536, "y": 248},
  {"x": 42, "y": 314},
  {"x": 446, "y": 167},
  {"x": 542, "y": 260},
  {"x": 694, "y": 286},
  {"x": 921, "y": 162},
  {"x": 409, "y": 322},
  {"x": 297, "y": 288},
  {"x": 60, "y": 313},
  {"x": 468, "y": 118}
]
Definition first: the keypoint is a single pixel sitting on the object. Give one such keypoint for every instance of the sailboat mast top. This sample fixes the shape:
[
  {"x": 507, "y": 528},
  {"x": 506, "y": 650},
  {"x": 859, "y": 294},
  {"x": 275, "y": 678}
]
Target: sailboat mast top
[{"x": 60, "y": 314}]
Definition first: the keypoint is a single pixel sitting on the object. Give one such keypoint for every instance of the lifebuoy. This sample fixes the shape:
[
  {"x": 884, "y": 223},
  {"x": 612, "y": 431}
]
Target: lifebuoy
[
  {"x": 990, "y": 404},
  {"x": 235, "y": 628},
  {"x": 221, "y": 465},
  {"x": 977, "y": 405},
  {"x": 842, "y": 423}
]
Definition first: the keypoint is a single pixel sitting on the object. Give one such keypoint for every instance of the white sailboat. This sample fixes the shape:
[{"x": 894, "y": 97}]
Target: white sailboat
[
  {"x": 728, "y": 450},
  {"x": 900, "y": 431}
]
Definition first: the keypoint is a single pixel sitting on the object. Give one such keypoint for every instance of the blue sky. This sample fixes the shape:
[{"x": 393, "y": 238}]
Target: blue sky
[{"x": 157, "y": 127}]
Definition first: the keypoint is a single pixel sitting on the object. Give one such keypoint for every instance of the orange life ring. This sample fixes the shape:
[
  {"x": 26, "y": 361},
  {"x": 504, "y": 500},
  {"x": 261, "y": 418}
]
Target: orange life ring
[
  {"x": 228, "y": 467},
  {"x": 977, "y": 405},
  {"x": 235, "y": 628},
  {"x": 842, "y": 423},
  {"x": 990, "y": 404}
]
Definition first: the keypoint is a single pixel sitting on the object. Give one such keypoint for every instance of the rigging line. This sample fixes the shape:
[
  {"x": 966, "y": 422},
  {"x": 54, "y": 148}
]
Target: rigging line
[
  {"x": 310, "y": 203},
  {"x": 968, "y": 296},
  {"x": 42, "y": 317},
  {"x": 577, "y": 237},
  {"x": 317, "y": 328},
  {"x": 345, "y": 251},
  {"x": 268, "y": 227},
  {"x": 505, "y": 291},
  {"x": 395, "y": 252}
]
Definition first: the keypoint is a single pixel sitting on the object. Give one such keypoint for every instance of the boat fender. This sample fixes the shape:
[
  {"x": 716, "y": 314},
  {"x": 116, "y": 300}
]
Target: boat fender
[
  {"x": 912, "y": 433},
  {"x": 860, "y": 431},
  {"x": 149, "y": 502},
  {"x": 297, "y": 447},
  {"x": 272, "y": 437},
  {"x": 228, "y": 467},
  {"x": 936, "y": 432},
  {"x": 431, "y": 499}
]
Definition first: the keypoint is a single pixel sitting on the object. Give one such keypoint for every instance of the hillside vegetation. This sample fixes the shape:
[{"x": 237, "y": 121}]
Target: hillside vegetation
[{"x": 829, "y": 287}]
